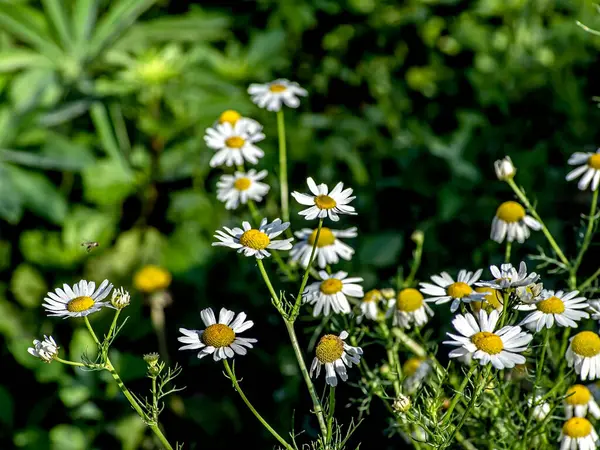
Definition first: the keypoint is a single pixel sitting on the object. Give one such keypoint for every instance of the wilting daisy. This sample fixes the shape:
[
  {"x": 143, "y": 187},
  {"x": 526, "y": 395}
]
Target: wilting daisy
[
  {"x": 578, "y": 401},
  {"x": 512, "y": 222},
  {"x": 250, "y": 126},
  {"x": 329, "y": 248},
  {"x": 540, "y": 408},
  {"x": 501, "y": 348},
  {"x": 335, "y": 355},
  {"x": 507, "y": 277},
  {"x": 46, "y": 350},
  {"x": 589, "y": 167},
  {"x": 529, "y": 294},
  {"x": 584, "y": 355},
  {"x": 446, "y": 289},
  {"x": 330, "y": 293},
  {"x": 234, "y": 144},
  {"x": 253, "y": 242},
  {"x": 272, "y": 95},
  {"x": 368, "y": 305},
  {"x": 409, "y": 307},
  {"x": 565, "y": 309},
  {"x": 578, "y": 434},
  {"x": 241, "y": 187},
  {"x": 79, "y": 301},
  {"x": 218, "y": 338},
  {"x": 505, "y": 168},
  {"x": 493, "y": 300},
  {"x": 415, "y": 370},
  {"x": 324, "y": 203}
]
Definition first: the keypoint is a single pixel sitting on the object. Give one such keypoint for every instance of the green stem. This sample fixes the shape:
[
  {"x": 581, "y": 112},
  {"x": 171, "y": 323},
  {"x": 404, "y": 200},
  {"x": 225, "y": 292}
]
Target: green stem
[
  {"x": 330, "y": 414},
  {"x": 298, "y": 302},
  {"x": 154, "y": 401},
  {"x": 589, "y": 281},
  {"x": 540, "y": 366},
  {"x": 392, "y": 358},
  {"x": 505, "y": 310},
  {"x": 91, "y": 330},
  {"x": 458, "y": 394},
  {"x": 270, "y": 287},
  {"x": 417, "y": 255},
  {"x": 507, "y": 252},
  {"x": 283, "y": 181},
  {"x": 113, "y": 325},
  {"x": 586, "y": 239},
  {"x": 70, "y": 363}
]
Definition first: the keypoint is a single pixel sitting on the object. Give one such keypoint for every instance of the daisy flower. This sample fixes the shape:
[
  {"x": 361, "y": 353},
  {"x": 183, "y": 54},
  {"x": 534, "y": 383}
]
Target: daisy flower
[
  {"x": 241, "y": 187},
  {"x": 232, "y": 117},
  {"x": 335, "y": 355},
  {"x": 565, "y": 309},
  {"x": 253, "y": 242},
  {"x": 324, "y": 203},
  {"x": 329, "y": 248},
  {"x": 446, "y": 289},
  {"x": 578, "y": 434},
  {"x": 330, "y": 293},
  {"x": 415, "y": 370},
  {"x": 507, "y": 277},
  {"x": 272, "y": 95},
  {"x": 505, "y": 168},
  {"x": 234, "y": 144},
  {"x": 493, "y": 300},
  {"x": 368, "y": 305},
  {"x": 81, "y": 300},
  {"x": 501, "y": 348},
  {"x": 218, "y": 338},
  {"x": 578, "y": 401},
  {"x": 529, "y": 294},
  {"x": 409, "y": 307},
  {"x": 584, "y": 355},
  {"x": 46, "y": 350},
  {"x": 589, "y": 167},
  {"x": 511, "y": 222},
  {"x": 541, "y": 409}
]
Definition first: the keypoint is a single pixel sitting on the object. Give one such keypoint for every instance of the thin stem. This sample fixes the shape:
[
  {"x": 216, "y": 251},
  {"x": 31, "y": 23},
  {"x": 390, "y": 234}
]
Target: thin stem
[
  {"x": 330, "y": 413},
  {"x": 298, "y": 302},
  {"x": 154, "y": 400},
  {"x": 91, "y": 330},
  {"x": 458, "y": 394},
  {"x": 505, "y": 310},
  {"x": 507, "y": 251},
  {"x": 589, "y": 281},
  {"x": 392, "y": 359},
  {"x": 417, "y": 255},
  {"x": 254, "y": 212},
  {"x": 283, "y": 181},
  {"x": 70, "y": 363},
  {"x": 540, "y": 366},
  {"x": 113, "y": 325},
  {"x": 267, "y": 280}
]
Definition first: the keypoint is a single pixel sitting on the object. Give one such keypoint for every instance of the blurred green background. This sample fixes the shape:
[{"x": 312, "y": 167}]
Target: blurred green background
[{"x": 103, "y": 106}]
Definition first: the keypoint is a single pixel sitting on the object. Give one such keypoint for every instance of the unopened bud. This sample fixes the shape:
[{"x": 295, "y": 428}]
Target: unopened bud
[
  {"x": 505, "y": 169},
  {"x": 401, "y": 404},
  {"x": 418, "y": 237},
  {"x": 388, "y": 293}
]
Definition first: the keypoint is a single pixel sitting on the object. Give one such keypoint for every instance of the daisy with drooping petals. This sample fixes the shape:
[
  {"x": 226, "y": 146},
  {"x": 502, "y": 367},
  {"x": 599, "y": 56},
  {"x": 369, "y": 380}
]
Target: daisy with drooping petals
[
  {"x": 241, "y": 187},
  {"x": 368, "y": 305},
  {"x": 329, "y": 248},
  {"x": 579, "y": 400},
  {"x": 584, "y": 355},
  {"x": 324, "y": 203},
  {"x": 218, "y": 338},
  {"x": 507, "y": 277},
  {"x": 333, "y": 353},
  {"x": 330, "y": 293},
  {"x": 589, "y": 167},
  {"x": 501, "y": 348},
  {"x": 253, "y": 242},
  {"x": 81, "y": 300},
  {"x": 565, "y": 309},
  {"x": 578, "y": 434},
  {"x": 446, "y": 289},
  {"x": 272, "y": 95},
  {"x": 46, "y": 350},
  {"x": 234, "y": 144},
  {"x": 409, "y": 307},
  {"x": 512, "y": 223}
]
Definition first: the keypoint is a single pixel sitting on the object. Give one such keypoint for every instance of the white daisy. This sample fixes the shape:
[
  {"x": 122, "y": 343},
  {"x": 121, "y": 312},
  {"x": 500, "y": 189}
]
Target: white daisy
[
  {"x": 253, "y": 242},
  {"x": 46, "y": 350},
  {"x": 501, "y": 348},
  {"x": 579, "y": 400},
  {"x": 409, "y": 307},
  {"x": 250, "y": 126},
  {"x": 329, "y": 249},
  {"x": 79, "y": 301},
  {"x": 234, "y": 144},
  {"x": 272, "y": 95},
  {"x": 369, "y": 305},
  {"x": 324, "y": 203},
  {"x": 529, "y": 294},
  {"x": 584, "y": 355},
  {"x": 241, "y": 187},
  {"x": 218, "y": 338},
  {"x": 335, "y": 355},
  {"x": 505, "y": 168},
  {"x": 330, "y": 293},
  {"x": 589, "y": 167},
  {"x": 541, "y": 409},
  {"x": 565, "y": 309},
  {"x": 446, "y": 289},
  {"x": 415, "y": 371},
  {"x": 578, "y": 434},
  {"x": 507, "y": 277},
  {"x": 511, "y": 222}
]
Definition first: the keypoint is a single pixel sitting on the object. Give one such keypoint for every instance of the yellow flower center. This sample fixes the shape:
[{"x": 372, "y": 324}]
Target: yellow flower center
[
  {"x": 230, "y": 116},
  {"x": 277, "y": 88},
  {"x": 326, "y": 237},
  {"x": 235, "y": 142},
  {"x": 329, "y": 349},
  {"x": 487, "y": 342},
  {"x": 578, "y": 394},
  {"x": 577, "y": 427},
  {"x": 552, "y": 305},
  {"x": 586, "y": 343},
  {"x": 241, "y": 184},
  {"x": 409, "y": 300},
  {"x": 331, "y": 286},
  {"x": 594, "y": 161},
  {"x": 151, "y": 278},
  {"x": 325, "y": 202},
  {"x": 80, "y": 304},
  {"x": 492, "y": 300},
  {"x": 218, "y": 335},
  {"x": 459, "y": 290},
  {"x": 510, "y": 212},
  {"x": 255, "y": 239},
  {"x": 411, "y": 365},
  {"x": 372, "y": 296}
]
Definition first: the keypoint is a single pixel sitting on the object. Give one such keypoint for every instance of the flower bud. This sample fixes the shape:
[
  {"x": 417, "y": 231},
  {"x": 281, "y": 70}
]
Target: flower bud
[
  {"x": 505, "y": 169},
  {"x": 388, "y": 293},
  {"x": 417, "y": 237},
  {"x": 120, "y": 298},
  {"x": 401, "y": 404}
]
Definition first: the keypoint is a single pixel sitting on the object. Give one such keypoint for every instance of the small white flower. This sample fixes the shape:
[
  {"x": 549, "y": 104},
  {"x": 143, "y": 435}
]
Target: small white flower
[
  {"x": 221, "y": 339},
  {"x": 512, "y": 223},
  {"x": 409, "y": 307},
  {"x": 579, "y": 400},
  {"x": 330, "y": 293},
  {"x": 578, "y": 434},
  {"x": 79, "y": 301},
  {"x": 415, "y": 370},
  {"x": 529, "y": 294},
  {"x": 324, "y": 203},
  {"x": 589, "y": 167},
  {"x": 501, "y": 348},
  {"x": 272, "y": 95},
  {"x": 253, "y": 242},
  {"x": 369, "y": 305},
  {"x": 563, "y": 308},
  {"x": 507, "y": 277},
  {"x": 335, "y": 355},
  {"x": 541, "y": 409},
  {"x": 446, "y": 289},
  {"x": 584, "y": 355},
  {"x": 241, "y": 187},
  {"x": 120, "y": 298},
  {"x": 505, "y": 168},
  {"x": 329, "y": 249},
  {"x": 234, "y": 144},
  {"x": 250, "y": 126},
  {"x": 46, "y": 350}
]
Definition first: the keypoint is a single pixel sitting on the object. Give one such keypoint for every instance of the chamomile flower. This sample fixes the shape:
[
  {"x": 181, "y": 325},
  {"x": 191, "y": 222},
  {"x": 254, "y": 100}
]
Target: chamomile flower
[
  {"x": 330, "y": 293},
  {"x": 219, "y": 338},
  {"x": 578, "y": 434},
  {"x": 579, "y": 400},
  {"x": 329, "y": 248},
  {"x": 505, "y": 169},
  {"x": 234, "y": 144},
  {"x": 529, "y": 294},
  {"x": 507, "y": 277},
  {"x": 46, "y": 350},
  {"x": 588, "y": 170},
  {"x": 415, "y": 370},
  {"x": 565, "y": 309},
  {"x": 446, "y": 289},
  {"x": 81, "y": 300},
  {"x": 333, "y": 353},
  {"x": 369, "y": 305},
  {"x": 541, "y": 409},
  {"x": 255, "y": 242},
  {"x": 232, "y": 117},
  {"x": 241, "y": 187},
  {"x": 584, "y": 355},
  {"x": 501, "y": 348},
  {"x": 272, "y": 95},
  {"x": 324, "y": 203},
  {"x": 512, "y": 223},
  {"x": 409, "y": 307}
]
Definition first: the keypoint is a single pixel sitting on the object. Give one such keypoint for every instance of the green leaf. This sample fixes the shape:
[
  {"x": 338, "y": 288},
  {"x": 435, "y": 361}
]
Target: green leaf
[
  {"x": 56, "y": 12},
  {"x": 73, "y": 395},
  {"x": 31, "y": 439},
  {"x": 106, "y": 183},
  {"x": 33, "y": 88},
  {"x": 11, "y": 201},
  {"x": 381, "y": 250},
  {"x": 5, "y": 254},
  {"x": 107, "y": 136},
  {"x": 87, "y": 224},
  {"x": 6, "y": 407},
  {"x": 28, "y": 285},
  {"x": 84, "y": 19},
  {"x": 67, "y": 437},
  {"x": 130, "y": 431},
  {"x": 46, "y": 249},
  {"x": 12, "y": 60}
]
